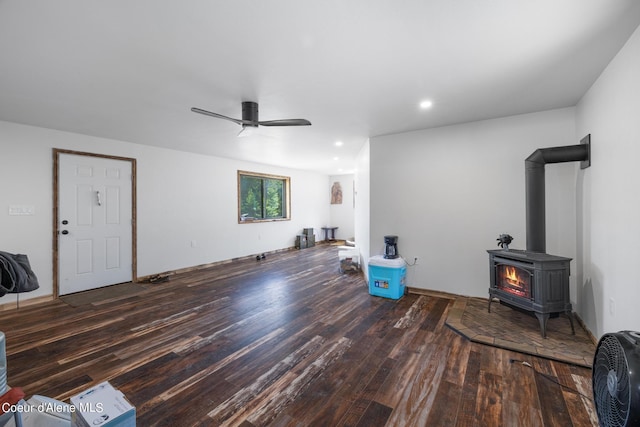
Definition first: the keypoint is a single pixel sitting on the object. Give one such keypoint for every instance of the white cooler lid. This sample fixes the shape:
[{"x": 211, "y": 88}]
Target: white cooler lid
[{"x": 381, "y": 261}]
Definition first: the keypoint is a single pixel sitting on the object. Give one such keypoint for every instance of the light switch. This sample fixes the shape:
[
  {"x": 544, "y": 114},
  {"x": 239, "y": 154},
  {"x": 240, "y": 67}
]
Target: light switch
[{"x": 22, "y": 210}]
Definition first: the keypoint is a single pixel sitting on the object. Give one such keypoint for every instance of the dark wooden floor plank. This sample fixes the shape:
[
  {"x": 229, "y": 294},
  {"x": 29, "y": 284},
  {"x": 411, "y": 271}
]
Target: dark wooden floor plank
[
  {"x": 408, "y": 361},
  {"x": 358, "y": 409},
  {"x": 489, "y": 401},
  {"x": 418, "y": 396},
  {"x": 287, "y": 341},
  {"x": 466, "y": 414},
  {"x": 444, "y": 413},
  {"x": 340, "y": 399},
  {"x": 251, "y": 392},
  {"x": 457, "y": 361},
  {"x": 552, "y": 404},
  {"x": 435, "y": 317},
  {"x": 516, "y": 414},
  {"x": 375, "y": 415}
]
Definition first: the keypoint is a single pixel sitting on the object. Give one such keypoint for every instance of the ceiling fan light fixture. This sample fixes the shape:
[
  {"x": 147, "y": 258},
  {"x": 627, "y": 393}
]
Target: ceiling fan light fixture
[{"x": 247, "y": 130}]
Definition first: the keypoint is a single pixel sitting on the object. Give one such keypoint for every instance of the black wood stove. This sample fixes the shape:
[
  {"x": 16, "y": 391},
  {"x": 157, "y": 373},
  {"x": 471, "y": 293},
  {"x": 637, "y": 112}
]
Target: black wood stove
[{"x": 531, "y": 281}]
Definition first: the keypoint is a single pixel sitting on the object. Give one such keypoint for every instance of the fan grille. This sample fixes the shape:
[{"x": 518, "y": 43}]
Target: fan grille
[{"x": 611, "y": 383}]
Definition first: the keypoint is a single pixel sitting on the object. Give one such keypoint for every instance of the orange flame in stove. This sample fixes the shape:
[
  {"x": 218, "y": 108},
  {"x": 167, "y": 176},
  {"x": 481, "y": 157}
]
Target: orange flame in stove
[
  {"x": 514, "y": 281},
  {"x": 511, "y": 275}
]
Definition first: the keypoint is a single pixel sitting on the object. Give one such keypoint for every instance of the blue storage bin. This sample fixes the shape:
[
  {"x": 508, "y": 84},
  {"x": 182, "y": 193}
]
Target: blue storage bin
[{"x": 387, "y": 277}]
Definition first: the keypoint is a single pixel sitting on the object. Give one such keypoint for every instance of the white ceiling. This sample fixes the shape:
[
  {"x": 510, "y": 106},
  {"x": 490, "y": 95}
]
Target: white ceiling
[{"x": 132, "y": 69}]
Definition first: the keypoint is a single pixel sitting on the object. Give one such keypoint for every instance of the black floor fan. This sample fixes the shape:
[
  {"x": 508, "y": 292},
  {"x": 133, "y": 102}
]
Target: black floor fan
[{"x": 616, "y": 379}]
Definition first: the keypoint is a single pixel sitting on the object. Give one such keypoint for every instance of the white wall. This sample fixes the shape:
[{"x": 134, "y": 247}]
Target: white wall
[
  {"x": 181, "y": 197},
  {"x": 609, "y": 247},
  {"x": 342, "y": 215},
  {"x": 362, "y": 205},
  {"x": 449, "y": 192}
]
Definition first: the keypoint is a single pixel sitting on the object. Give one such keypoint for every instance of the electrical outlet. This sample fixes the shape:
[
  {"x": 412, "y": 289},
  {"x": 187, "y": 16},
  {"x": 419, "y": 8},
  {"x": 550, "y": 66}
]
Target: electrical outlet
[
  {"x": 612, "y": 306},
  {"x": 194, "y": 243}
]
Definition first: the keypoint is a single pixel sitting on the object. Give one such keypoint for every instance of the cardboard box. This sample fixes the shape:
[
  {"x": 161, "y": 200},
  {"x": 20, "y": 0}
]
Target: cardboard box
[
  {"x": 301, "y": 241},
  {"x": 104, "y": 406},
  {"x": 349, "y": 258}
]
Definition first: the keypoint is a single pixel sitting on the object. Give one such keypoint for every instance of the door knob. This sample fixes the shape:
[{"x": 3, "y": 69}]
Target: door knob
[{"x": 65, "y": 232}]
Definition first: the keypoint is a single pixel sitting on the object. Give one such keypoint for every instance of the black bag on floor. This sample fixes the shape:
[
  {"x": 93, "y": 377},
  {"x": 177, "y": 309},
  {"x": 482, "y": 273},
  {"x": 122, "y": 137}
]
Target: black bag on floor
[{"x": 16, "y": 275}]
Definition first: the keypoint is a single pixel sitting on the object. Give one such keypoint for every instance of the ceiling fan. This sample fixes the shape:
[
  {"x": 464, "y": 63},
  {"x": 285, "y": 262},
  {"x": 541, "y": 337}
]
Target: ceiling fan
[{"x": 250, "y": 118}]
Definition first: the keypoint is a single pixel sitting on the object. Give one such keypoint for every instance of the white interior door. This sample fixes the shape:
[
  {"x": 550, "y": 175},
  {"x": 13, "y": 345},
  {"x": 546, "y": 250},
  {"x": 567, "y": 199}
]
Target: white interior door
[{"x": 95, "y": 222}]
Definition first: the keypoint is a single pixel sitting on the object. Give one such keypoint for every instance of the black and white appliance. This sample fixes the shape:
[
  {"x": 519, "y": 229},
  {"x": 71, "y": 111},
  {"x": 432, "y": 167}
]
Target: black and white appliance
[
  {"x": 615, "y": 381},
  {"x": 391, "y": 247}
]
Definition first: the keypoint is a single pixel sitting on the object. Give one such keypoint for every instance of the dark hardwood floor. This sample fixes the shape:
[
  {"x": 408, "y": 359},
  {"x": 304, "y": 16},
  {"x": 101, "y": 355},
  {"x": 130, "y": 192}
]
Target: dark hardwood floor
[{"x": 287, "y": 341}]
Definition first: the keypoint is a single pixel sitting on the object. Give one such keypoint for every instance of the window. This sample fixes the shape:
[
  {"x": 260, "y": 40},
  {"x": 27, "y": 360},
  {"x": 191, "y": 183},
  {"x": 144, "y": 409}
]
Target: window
[{"x": 262, "y": 197}]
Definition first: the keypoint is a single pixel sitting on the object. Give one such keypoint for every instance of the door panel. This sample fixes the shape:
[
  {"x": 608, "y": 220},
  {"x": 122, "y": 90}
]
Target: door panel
[
  {"x": 112, "y": 205},
  {"x": 95, "y": 243},
  {"x": 84, "y": 256},
  {"x": 112, "y": 253}
]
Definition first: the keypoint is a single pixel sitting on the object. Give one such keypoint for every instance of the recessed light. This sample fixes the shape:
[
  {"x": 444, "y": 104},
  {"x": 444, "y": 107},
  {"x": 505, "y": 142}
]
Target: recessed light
[
  {"x": 338, "y": 143},
  {"x": 426, "y": 104},
  {"x": 336, "y": 158}
]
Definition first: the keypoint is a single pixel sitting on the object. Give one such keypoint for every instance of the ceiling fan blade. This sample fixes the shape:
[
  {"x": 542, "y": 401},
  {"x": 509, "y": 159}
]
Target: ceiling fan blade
[
  {"x": 250, "y": 117},
  {"x": 286, "y": 122},
  {"x": 220, "y": 116}
]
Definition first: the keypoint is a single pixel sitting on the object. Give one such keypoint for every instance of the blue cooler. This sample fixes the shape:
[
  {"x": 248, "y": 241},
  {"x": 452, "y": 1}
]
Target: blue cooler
[{"x": 387, "y": 277}]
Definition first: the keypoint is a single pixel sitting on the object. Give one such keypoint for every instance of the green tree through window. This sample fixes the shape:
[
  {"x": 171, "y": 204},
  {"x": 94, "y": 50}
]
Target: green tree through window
[{"x": 262, "y": 197}]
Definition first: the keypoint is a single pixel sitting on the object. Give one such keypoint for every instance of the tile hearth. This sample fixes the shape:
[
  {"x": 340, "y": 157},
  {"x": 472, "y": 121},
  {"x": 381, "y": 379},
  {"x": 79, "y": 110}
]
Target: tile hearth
[{"x": 507, "y": 328}]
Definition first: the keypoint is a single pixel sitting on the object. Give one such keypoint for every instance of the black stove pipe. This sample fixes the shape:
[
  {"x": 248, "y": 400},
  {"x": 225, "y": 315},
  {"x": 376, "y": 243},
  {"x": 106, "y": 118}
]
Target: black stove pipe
[{"x": 535, "y": 189}]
